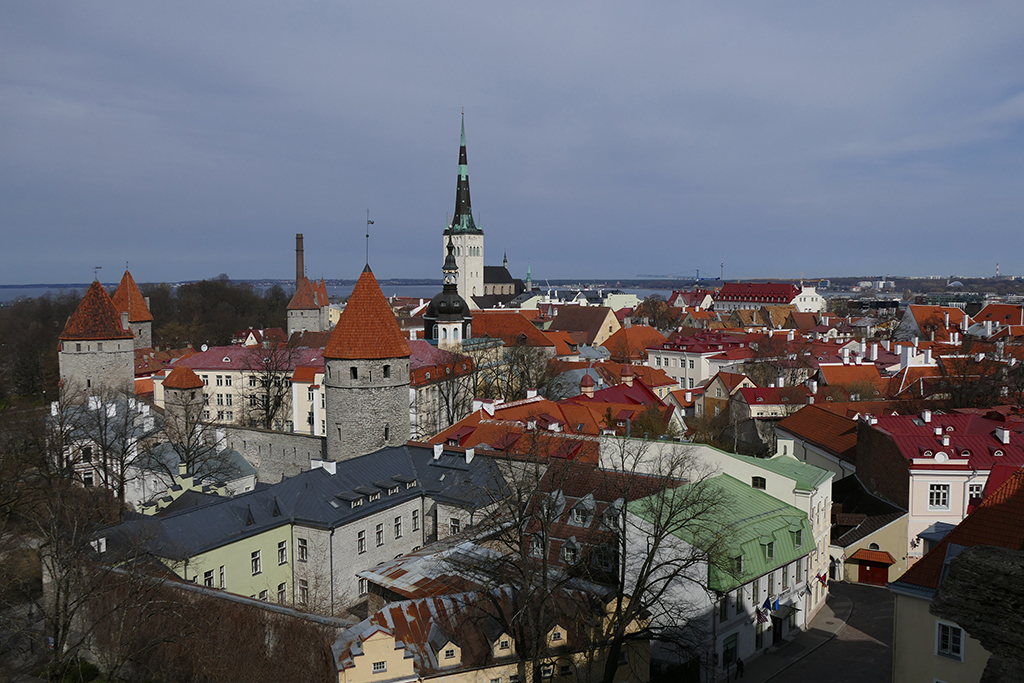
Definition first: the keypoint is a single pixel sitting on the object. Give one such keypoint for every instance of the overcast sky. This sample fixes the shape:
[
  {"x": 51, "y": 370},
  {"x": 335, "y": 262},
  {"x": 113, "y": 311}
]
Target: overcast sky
[{"x": 605, "y": 139}]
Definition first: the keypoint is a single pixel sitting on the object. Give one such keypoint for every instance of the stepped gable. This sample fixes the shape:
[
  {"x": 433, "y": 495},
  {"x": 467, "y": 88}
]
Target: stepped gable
[
  {"x": 304, "y": 297},
  {"x": 182, "y": 377},
  {"x": 95, "y": 318},
  {"x": 128, "y": 299},
  {"x": 367, "y": 328}
]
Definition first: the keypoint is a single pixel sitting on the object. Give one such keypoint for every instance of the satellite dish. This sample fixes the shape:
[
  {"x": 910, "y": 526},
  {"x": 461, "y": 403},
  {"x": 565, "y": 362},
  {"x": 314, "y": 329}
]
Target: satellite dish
[{"x": 204, "y": 347}]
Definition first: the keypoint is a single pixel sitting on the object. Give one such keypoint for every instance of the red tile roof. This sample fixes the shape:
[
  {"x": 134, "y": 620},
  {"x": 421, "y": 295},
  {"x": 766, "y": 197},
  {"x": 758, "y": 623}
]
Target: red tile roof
[
  {"x": 182, "y": 377},
  {"x": 996, "y": 521},
  {"x": 95, "y": 318},
  {"x": 367, "y": 328},
  {"x": 304, "y": 298},
  {"x": 128, "y": 299},
  {"x": 768, "y": 292},
  {"x": 972, "y": 440},
  {"x": 835, "y": 433},
  {"x": 1004, "y": 314},
  {"x": 631, "y": 343}
]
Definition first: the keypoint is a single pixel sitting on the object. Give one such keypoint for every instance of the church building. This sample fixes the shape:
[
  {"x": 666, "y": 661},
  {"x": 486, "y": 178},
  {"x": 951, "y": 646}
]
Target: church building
[{"x": 481, "y": 286}]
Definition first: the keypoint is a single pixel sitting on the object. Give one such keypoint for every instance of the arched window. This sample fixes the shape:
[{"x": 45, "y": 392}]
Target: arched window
[
  {"x": 444, "y": 333},
  {"x": 873, "y": 546},
  {"x": 435, "y": 332}
]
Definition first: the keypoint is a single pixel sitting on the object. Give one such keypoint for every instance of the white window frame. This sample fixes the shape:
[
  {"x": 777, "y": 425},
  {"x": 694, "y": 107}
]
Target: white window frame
[
  {"x": 935, "y": 490},
  {"x": 949, "y": 653}
]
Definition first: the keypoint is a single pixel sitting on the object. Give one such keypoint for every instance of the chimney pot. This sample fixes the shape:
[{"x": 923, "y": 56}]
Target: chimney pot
[
  {"x": 926, "y": 416},
  {"x": 438, "y": 449},
  {"x": 470, "y": 452}
]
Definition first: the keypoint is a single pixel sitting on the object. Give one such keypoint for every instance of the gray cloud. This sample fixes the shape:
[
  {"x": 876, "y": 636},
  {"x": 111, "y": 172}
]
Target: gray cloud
[{"x": 605, "y": 139}]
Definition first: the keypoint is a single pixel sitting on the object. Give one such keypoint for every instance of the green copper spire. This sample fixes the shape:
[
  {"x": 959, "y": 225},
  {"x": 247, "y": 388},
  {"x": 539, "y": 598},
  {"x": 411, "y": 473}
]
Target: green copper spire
[{"x": 462, "y": 220}]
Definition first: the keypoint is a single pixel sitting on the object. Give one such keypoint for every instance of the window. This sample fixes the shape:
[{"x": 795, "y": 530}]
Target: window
[
  {"x": 99, "y": 346},
  {"x": 536, "y": 546},
  {"x": 556, "y": 635},
  {"x": 938, "y": 496},
  {"x": 78, "y": 347},
  {"x": 799, "y": 571},
  {"x": 691, "y": 383},
  {"x": 718, "y": 392},
  {"x": 380, "y": 667},
  {"x": 504, "y": 644},
  {"x": 374, "y": 496},
  {"x": 798, "y": 538},
  {"x": 253, "y": 382},
  {"x": 208, "y": 578},
  {"x": 361, "y": 542},
  {"x": 415, "y": 520},
  {"x": 455, "y": 525},
  {"x": 265, "y": 596},
  {"x": 257, "y": 566},
  {"x": 739, "y": 600},
  {"x": 362, "y": 586},
  {"x": 223, "y": 583},
  {"x": 310, "y": 395},
  {"x": 354, "y": 372},
  {"x": 771, "y": 584},
  {"x": 785, "y": 578},
  {"x": 387, "y": 372},
  {"x": 398, "y": 527},
  {"x": 303, "y": 550},
  {"x": 303, "y": 591},
  {"x": 570, "y": 554},
  {"x": 449, "y": 653},
  {"x": 691, "y": 364},
  {"x": 723, "y": 608},
  {"x": 950, "y": 641},
  {"x": 220, "y": 380},
  {"x": 282, "y": 552},
  {"x": 513, "y": 678},
  {"x": 227, "y": 380},
  {"x": 758, "y": 483},
  {"x": 737, "y": 565},
  {"x": 380, "y": 534},
  {"x": 769, "y": 550},
  {"x": 578, "y": 516},
  {"x": 547, "y": 670},
  {"x": 87, "y": 453},
  {"x": 974, "y": 490},
  {"x": 565, "y": 670},
  {"x": 87, "y": 479}
]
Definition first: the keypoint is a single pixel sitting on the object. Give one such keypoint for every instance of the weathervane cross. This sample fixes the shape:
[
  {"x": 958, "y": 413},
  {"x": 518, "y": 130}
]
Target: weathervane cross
[{"x": 368, "y": 224}]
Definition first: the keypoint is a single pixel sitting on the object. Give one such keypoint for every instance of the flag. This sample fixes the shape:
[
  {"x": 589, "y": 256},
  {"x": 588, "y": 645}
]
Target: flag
[
  {"x": 775, "y": 607},
  {"x": 761, "y": 618},
  {"x": 821, "y": 578},
  {"x": 767, "y": 604}
]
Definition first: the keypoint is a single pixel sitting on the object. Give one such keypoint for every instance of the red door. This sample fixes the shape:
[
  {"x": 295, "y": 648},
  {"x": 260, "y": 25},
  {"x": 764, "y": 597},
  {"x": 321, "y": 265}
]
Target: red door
[{"x": 876, "y": 574}]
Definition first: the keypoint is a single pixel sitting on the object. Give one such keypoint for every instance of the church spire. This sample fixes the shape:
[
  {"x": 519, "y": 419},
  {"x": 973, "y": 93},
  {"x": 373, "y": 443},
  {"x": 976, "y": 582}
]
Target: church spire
[
  {"x": 463, "y": 221},
  {"x": 450, "y": 267}
]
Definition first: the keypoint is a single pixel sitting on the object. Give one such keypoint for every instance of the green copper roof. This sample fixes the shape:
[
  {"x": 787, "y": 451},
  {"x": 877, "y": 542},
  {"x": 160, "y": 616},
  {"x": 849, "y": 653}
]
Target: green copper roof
[
  {"x": 751, "y": 520},
  {"x": 807, "y": 477},
  {"x": 462, "y": 219}
]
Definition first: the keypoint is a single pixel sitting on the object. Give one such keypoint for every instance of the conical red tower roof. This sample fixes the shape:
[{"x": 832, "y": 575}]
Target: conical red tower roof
[
  {"x": 367, "y": 328},
  {"x": 96, "y": 318},
  {"x": 128, "y": 299},
  {"x": 304, "y": 297},
  {"x": 182, "y": 377}
]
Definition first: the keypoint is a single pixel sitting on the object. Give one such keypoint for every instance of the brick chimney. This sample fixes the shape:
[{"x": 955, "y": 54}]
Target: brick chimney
[
  {"x": 627, "y": 375},
  {"x": 300, "y": 267}
]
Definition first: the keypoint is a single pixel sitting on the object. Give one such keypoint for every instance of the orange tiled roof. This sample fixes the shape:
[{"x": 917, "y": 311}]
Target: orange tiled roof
[
  {"x": 128, "y": 299},
  {"x": 877, "y": 556},
  {"x": 95, "y": 318},
  {"x": 631, "y": 343},
  {"x": 367, "y": 328},
  {"x": 835, "y": 433},
  {"x": 838, "y": 374},
  {"x": 304, "y": 298},
  {"x": 509, "y": 326},
  {"x": 564, "y": 343},
  {"x": 321, "y": 292},
  {"x": 996, "y": 521},
  {"x": 182, "y": 377}
]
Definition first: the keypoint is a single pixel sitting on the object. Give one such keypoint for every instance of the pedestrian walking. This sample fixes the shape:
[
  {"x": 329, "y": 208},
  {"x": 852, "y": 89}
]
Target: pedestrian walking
[{"x": 739, "y": 668}]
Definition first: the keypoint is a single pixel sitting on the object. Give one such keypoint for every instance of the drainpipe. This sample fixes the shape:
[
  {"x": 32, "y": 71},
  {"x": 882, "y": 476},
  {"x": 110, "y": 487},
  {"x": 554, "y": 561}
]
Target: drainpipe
[{"x": 331, "y": 553}]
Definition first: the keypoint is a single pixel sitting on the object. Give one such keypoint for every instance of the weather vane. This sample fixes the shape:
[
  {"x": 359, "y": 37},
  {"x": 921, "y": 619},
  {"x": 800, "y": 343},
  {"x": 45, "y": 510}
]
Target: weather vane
[
  {"x": 368, "y": 224},
  {"x": 96, "y": 272}
]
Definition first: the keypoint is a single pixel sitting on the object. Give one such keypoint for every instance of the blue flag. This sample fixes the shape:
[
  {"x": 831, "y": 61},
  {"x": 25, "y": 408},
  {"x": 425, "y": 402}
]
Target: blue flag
[
  {"x": 767, "y": 604},
  {"x": 775, "y": 607}
]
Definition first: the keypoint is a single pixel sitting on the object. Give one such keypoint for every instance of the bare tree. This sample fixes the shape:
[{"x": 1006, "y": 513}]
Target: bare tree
[
  {"x": 522, "y": 367},
  {"x": 268, "y": 391},
  {"x": 446, "y": 394},
  {"x": 193, "y": 440}
]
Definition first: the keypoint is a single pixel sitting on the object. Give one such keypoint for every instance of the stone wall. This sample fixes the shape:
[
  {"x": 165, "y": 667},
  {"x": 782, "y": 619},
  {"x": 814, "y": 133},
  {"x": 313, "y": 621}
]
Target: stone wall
[
  {"x": 90, "y": 368},
  {"x": 300, "y": 320},
  {"x": 275, "y": 455},
  {"x": 143, "y": 334},
  {"x": 369, "y": 412}
]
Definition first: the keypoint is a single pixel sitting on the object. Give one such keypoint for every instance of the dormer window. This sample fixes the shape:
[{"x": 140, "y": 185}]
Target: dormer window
[
  {"x": 393, "y": 490},
  {"x": 356, "y": 503},
  {"x": 758, "y": 483},
  {"x": 449, "y": 653},
  {"x": 374, "y": 496},
  {"x": 578, "y": 516}
]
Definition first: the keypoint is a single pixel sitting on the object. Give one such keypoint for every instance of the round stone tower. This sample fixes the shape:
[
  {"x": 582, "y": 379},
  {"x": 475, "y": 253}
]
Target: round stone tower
[
  {"x": 366, "y": 376},
  {"x": 96, "y": 352},
  {"x": 183, "y": 403}
]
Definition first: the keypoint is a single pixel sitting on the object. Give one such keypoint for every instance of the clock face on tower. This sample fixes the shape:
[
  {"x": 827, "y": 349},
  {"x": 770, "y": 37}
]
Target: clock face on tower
[{"x": 449, "y": 279}]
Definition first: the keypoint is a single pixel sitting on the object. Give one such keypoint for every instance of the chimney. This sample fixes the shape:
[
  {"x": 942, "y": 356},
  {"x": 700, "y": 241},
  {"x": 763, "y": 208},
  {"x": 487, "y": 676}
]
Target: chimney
[
  {"x": 927, "y": 356},
  {"x": 906, "y": 353},
  {"x": 945, "y": 439},
  {"x": 915, "y": 342},
  {"x": 438, "y": 449},
  {"x": 988, "y": 328},
  {"x": 782, "y": 382},
  {"x": 813, "y": 386},
  {"x": 300, "y": 268},
  {"x": 846, "y": 356},
  {"x": 182, "y": 469},
  {"x": 485, "y": 405},
  {"x": 531, "y": 393},
  {"x": 627, "y": 375},
  {"x": 689, "y": 396},
  {"x": 926, "y": 416},
  {"x": 1003, "y": 434},
  {"x": 810, "y": 399},
  {"x": 470, "y": 452},
  {"x": 124, "y": 320},
  {"x": 789, "y": 335},
  {"x": 221, "y": 437},
  {"x": 946, "y": 315},
  {"x": 937, "y": 430},
  {"x": 885, "y": 344},
  {"x": 874, "y": 353},
  {"x": 587, "y": 386}
]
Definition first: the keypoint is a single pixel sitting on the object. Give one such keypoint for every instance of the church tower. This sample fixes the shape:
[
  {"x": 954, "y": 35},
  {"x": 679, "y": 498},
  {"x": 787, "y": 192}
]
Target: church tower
[
  {"x": 447, "y": 321},
  {"x": 466, "y": 237},
  {"x": 366, "y": 376}
]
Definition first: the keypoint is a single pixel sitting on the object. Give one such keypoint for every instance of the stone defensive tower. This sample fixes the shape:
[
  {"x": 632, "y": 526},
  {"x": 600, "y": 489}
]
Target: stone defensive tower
[
  {"x": 95, "y": 350},
  {"x": 366, "y": 376},
  {"x": 134, "y": 310}
]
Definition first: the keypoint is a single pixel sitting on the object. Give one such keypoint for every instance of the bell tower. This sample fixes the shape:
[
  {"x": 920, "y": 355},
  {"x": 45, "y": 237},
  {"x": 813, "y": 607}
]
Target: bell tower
[{"x": 466, "y": 238}]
